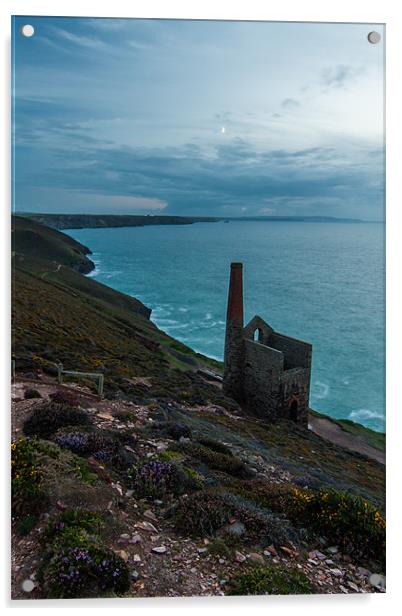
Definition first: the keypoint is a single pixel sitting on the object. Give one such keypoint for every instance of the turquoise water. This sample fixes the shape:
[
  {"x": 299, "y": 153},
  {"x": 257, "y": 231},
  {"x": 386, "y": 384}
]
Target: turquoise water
[{"x": 321, "y": 282}]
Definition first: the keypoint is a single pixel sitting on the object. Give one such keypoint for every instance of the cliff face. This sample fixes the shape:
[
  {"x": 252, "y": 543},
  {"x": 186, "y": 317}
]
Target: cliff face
[
  {"x": 36, "y": 241},
  {"x": 82, "y": 221}
]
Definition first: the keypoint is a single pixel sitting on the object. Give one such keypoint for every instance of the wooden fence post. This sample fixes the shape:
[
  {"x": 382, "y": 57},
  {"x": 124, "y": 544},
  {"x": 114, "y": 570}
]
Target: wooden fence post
[{"x": 100, "y": 385}]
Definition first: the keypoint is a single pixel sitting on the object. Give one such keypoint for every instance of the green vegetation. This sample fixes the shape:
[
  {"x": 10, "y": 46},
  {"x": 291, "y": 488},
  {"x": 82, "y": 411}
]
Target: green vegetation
[
  {"x": 302, "y": 453},
  {"x": 90, "y": 327},
  {"x": 346, "y": 520},
  {"x": 26, "y": 524},
  {"x": 371, "y": 437},
  {"x": 271, "y": 580},
  {"x": 34, "y": 240},
  {"x": 224, "y": 462},
  {"x": 159, "y": 479},
  {"x": 27, "y": 494},
  {"x": 46, "y": 419},
  {"x": 205, "y": 487},
  {"x": 206, "y": 512},
  {"x": 75, "y": 563}
]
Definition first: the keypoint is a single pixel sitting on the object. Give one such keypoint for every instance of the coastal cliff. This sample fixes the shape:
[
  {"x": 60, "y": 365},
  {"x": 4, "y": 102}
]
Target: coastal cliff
[{"x": 165, "y": 475}]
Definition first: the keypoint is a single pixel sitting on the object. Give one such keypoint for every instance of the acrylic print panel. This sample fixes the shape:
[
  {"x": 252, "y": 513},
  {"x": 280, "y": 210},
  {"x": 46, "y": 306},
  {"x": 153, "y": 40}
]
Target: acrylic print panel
[{"x": 172, "y": 180}]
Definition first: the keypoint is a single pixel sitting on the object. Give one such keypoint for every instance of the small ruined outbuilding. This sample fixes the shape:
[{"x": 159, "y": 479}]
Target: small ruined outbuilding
[{"x": 266, "y": 372}]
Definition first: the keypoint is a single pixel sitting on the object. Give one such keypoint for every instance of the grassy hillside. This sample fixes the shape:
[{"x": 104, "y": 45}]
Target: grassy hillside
[
  {"x": 33, "y": 240},
  {"x": 265, "y": 508},
  {"x": 59, "y": 315}
]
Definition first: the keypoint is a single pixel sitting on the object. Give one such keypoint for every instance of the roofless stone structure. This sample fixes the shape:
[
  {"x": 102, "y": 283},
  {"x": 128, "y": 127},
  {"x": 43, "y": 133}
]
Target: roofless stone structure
[{"x": 266, "y": 372}]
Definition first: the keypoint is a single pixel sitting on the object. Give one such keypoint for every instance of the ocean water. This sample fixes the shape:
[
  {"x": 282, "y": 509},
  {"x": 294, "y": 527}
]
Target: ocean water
[{"x": 321, "y": 282}]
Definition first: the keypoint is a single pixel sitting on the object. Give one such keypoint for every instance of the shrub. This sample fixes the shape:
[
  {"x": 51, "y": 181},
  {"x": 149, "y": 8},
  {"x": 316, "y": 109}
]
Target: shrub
[
  {"x": 202, "y": 513},
  {"x": 177, "y": 431},
  {"x": 75, "y": 563},
  {"x": 85, "y": 443},
  {"x": 261, "y": 526},
  {"x": 46, "y": 419},
  {"x": 219, "y": 547},
  {"x": 157, "y": 479},
  {"x": 31, "y": 393},
  {"x": 270, "y": 580},
  {"x": 225, "y": 463},
  {"x": 125, "y": 416},
  {"x": 273, "y": 496},
  {"x": 215, "y": 446},
  {"x": 64, "y": 396},
  {"x": 59, "y": 524},
  {"x": 27, "y": 494},
  {"x": 170, "y": 455},
  {"x": 26, "y": 524},
  {"x": 85, "y": 571},
  {"x": 347, "y": 520},
  {"x": 206, "y": 512}
]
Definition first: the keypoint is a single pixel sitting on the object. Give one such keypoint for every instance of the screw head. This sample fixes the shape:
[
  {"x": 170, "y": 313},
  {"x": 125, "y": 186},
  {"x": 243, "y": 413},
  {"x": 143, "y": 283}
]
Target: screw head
[{"x": 374, "y": 37}]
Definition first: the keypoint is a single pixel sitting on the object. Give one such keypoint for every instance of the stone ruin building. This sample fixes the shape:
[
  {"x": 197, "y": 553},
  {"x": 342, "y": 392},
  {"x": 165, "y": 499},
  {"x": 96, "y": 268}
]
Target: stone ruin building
[{"x": 267, "y": 373}]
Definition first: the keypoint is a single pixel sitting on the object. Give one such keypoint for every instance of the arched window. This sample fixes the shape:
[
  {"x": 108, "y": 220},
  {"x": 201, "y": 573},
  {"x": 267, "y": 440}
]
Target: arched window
[{"x": 258, "y": 335}]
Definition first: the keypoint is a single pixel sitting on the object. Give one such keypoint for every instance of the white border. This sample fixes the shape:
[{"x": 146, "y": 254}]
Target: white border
[{"x": 380, "y": 11}]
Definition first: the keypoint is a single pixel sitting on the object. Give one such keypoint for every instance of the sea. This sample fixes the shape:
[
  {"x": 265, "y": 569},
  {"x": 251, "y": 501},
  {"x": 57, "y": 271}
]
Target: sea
[{"x": 317, "y": 281}]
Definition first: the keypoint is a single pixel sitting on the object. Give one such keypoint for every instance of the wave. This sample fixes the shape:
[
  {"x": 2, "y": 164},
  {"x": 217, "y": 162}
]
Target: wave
[
  {"x": 113, "y": 274},
  {"x": 322, "y": 390},
  {"x": 95, "y": 272},
  {"x": 361, "y": 414}
]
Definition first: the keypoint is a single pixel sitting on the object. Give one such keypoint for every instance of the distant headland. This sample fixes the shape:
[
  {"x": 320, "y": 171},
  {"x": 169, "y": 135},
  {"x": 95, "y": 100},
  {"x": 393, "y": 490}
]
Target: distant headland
[{"x": 93, "y": 221}]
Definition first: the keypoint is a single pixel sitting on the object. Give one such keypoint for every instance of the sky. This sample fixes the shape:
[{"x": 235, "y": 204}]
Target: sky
[{"x": 202, "y": 118}]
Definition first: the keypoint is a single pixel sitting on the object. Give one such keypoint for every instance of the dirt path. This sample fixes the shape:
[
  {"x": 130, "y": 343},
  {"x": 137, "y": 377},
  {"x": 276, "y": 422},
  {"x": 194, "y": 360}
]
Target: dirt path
[{"x": 334, "y": 433}]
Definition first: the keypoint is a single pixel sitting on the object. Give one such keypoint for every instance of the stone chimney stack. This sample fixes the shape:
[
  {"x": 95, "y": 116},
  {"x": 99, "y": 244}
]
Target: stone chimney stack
[{"x": 234, "y": 341}]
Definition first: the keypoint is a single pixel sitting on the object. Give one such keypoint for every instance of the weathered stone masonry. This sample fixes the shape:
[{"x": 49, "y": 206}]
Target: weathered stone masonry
[{"x": 266, "y": 372}]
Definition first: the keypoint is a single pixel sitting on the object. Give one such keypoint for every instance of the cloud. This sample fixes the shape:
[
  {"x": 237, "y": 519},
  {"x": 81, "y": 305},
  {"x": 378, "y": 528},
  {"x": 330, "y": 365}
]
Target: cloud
[
  {"x": 290, "y": 103},
  {"x": 317, "y": 180},
  {"x": 78, "y": 39},
  {"x": 339, "y": 76}
]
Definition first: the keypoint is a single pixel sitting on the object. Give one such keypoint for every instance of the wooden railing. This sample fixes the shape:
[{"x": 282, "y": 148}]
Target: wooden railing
[{"x": 98, "y": 376}]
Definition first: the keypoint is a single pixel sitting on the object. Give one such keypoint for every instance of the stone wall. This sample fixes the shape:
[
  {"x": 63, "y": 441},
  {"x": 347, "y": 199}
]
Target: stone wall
[
  {"x": 297, "y": 353},
  {"x": 295, "y": 386},
  {"x": 261, "y": 381}
]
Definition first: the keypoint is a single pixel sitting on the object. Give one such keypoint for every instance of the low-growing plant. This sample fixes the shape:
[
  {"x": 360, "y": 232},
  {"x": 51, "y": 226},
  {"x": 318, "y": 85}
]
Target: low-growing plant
[
  {"x": 200, "y": 514},
  {"x": 158, "y": 479},
  {"x": 46, "y": 419},
  {"x": 207, "y": 511},
  {"x": 215, "y": 446},
  {"x": 65, "y": 396},
  {"x": 170, "y": 455},
  {"x": 26, "y": 524},
  {"x": 270, "y": 580},
  {"x": 125, "y": 416},
  {"x": 178, "y": 431},
  {"x": 85, "y": 443},
  {"x": 215, "y": 460},
  {"x": 31, "y": 393},
  {"x": 85, "y": 571},
  {"x": 59, "y": 524},
  {"x": 345, "y": 519},
  {"x": 219, "y": 547},
  {"x": 75, "y": 563},
  {"x": 277, "y": 497},
  {"x": 27, "y": 494},
  {"x": 82, "y": 470}
]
